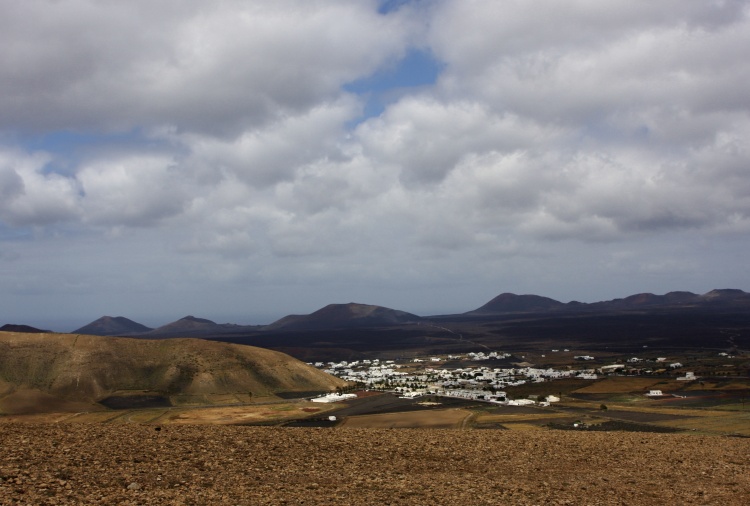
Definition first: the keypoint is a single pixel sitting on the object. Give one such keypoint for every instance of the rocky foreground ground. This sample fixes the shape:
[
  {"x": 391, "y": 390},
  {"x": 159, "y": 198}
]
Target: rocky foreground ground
[{"x": 146, "y": 464}]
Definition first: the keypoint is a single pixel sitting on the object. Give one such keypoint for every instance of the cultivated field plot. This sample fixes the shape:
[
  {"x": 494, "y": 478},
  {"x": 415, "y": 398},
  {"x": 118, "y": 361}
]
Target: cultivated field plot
[
  {"x": 712, "y": 422},
  {"x": 523, "y": 427},
  {"x": 708, "y": 399},
  {"x": 509, "y": 421},
  {"x": 263, "y": 414},
  {"x": 215, "y": 400},
  {"x": 432, "y": 419},
  {"x": 642, "y": 416},
  {"x": 705, "y": 421},
  {"x": 715, "y": 384},
  {"x": 626, "y": 384},
  {"x": 701, "y": 420},
  {"x": 86, "y": 417},
  {"x": 378, "y": 403}
]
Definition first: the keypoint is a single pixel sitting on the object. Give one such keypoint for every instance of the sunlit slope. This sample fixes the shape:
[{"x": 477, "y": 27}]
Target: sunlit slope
[{"x": 41, "y": 372}]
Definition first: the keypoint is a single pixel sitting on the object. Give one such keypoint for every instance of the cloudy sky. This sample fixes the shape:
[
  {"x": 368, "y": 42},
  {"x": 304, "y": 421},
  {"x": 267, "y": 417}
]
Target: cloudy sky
[{"x": 243, "y": 160}]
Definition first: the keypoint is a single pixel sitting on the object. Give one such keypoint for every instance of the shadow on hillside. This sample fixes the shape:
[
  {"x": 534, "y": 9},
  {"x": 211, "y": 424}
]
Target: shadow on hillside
[{"x": 136, "y": 402}]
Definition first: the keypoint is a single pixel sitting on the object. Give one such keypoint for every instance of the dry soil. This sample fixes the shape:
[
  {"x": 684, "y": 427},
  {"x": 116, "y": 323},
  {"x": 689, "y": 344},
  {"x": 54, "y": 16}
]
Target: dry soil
[{"x": 149, "y": 464}]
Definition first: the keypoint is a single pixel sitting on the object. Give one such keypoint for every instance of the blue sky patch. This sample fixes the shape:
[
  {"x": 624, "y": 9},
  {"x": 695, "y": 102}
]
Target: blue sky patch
[
  {"x": 67, "y": 141},
  {"x": 70, "y": 146},
  {"x": 387, "y": 6},
  {"x": 416, "y": 69}
]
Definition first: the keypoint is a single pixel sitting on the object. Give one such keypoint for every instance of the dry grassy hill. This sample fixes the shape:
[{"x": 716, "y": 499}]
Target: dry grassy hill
[{"x": 68, "y": 372}]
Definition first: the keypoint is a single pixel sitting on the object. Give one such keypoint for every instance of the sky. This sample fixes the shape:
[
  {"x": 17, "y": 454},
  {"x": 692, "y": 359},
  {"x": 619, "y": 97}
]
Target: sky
[{"x": 245, "y": 160}]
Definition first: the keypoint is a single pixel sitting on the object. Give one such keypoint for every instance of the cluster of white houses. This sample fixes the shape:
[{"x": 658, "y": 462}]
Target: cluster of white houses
[{"x": 476, "y": 383}]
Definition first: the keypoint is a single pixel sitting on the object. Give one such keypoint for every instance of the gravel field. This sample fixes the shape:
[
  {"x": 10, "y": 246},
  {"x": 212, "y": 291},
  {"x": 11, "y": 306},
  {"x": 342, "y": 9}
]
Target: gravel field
[{"x": 145, "y": 464}]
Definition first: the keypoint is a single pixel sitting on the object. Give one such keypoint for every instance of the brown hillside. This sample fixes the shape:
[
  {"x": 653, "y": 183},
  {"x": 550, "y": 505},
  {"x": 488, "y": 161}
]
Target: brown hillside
[{"x": 53, "y": 372}]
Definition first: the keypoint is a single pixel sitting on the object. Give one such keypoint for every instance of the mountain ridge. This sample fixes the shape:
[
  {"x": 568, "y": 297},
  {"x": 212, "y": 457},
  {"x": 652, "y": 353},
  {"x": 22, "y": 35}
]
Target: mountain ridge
[
  {"x": 509, "y": 303},
  {"x": 367, "y": 315},
  {"x": 12, "y": 327}
]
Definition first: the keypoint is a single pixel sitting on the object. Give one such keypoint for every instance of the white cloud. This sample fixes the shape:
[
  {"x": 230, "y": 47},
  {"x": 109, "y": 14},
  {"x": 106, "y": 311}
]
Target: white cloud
[
  {"x": 29, "y": 196},
  {"x": 263, "y": 157},
  {"x": 202, "y": 67},
  {"x": 137, "y": 190},
  {"x": 428, "y": 138},
  {"x": 222, "y": 140},
  {"x": 585, "y": 61}
]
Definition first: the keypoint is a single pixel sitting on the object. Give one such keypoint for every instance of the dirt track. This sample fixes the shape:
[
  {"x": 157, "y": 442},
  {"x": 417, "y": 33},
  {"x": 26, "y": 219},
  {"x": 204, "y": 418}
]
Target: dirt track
[{"x": 138, "y": 464}]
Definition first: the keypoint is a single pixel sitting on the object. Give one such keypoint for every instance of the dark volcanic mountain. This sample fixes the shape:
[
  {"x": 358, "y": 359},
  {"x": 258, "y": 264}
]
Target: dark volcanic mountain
[
  {"x": 718, "y": 320},
  {"x": 644, "y": 300},
  {"x": 726, "y": 295},
  {"x": 714, "y": 299},
  {"x": 345, "y": 315},
  {"x": 10, "y": 327},
  {"x": 509, "y": 322},
  {"x": 190, "y": 326},
  {"x": 112, "y": 326},
  {"x": 512, "y": 303}
]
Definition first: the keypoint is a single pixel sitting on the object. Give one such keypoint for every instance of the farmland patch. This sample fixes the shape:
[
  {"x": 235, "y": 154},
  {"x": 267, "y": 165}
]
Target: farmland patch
[{"x": 433, "y": 419}]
